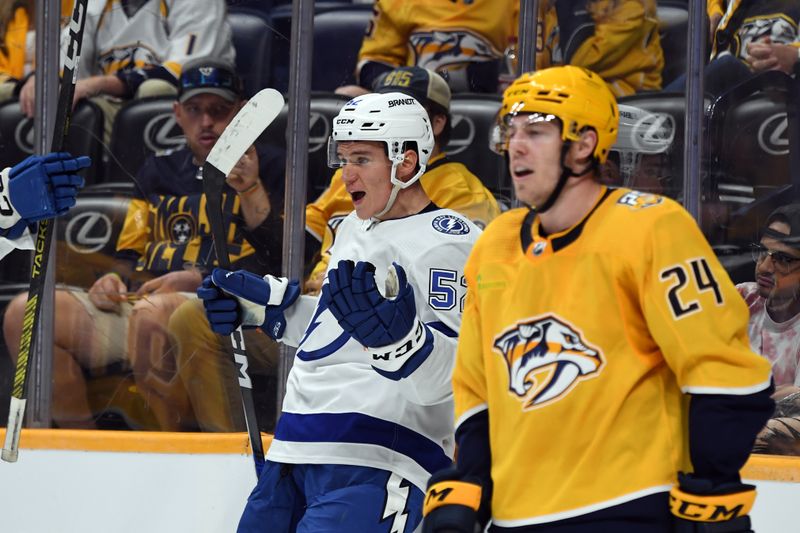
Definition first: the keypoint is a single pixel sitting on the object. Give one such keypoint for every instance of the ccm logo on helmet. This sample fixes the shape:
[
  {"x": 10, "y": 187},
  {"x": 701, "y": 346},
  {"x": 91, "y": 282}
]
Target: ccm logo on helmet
[
  {"x": 345, "y": 120},
  {"x": 401, "y": 101}
]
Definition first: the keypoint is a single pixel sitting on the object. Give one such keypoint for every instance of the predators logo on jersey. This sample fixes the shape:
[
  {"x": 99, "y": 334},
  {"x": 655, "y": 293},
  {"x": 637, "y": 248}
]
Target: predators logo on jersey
[
  {"x": 438, "y": 50},
  {"x": 640, "y": 200},
  {"x": 546, "y": 357}
]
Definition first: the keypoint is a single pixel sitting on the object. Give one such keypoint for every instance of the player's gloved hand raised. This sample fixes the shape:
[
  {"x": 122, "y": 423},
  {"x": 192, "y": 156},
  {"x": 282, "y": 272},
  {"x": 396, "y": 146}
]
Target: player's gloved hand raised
[
  {"x": 361, "y": 310},
  {"x": 702, "y": 507},
  {"x": 239, "y": 298},
  {"x": 39, "y": 187},
  {"x": 451, "y": 503}
]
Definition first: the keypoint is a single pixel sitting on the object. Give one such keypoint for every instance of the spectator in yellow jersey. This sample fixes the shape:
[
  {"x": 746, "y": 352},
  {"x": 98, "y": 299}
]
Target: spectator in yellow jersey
[
  {"x": 594, "y": 316},
  {"x": 163, "y": 250},
  {"x": 202, "y": 363},
  {"x": 16, "y": 45},
  {"x": 617, "y": 39},
  {"x": 463, "y": 40}
]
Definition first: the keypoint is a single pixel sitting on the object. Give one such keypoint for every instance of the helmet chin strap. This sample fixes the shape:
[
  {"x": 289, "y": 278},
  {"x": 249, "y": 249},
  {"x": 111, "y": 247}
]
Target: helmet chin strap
[
  {"x": 396, "y": 186},
  {"x": 566, "y": 173}
]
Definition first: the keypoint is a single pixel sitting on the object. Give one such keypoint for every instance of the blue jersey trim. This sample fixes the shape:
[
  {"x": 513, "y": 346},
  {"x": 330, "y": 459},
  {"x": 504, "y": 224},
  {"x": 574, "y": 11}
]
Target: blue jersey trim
[
  {"x": 442, "y": 328},
  {"x": 359, "y": 428}
]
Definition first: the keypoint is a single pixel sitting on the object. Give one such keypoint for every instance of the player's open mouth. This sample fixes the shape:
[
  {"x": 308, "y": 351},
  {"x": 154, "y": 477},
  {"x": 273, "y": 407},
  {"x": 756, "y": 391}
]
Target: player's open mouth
[
  {"x": 521, "y": 172},
  {"x": 357, "y": 195}
]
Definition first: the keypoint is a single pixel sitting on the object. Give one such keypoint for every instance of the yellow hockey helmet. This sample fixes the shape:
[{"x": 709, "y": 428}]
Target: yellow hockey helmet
[{"x": 578, "y": 97}]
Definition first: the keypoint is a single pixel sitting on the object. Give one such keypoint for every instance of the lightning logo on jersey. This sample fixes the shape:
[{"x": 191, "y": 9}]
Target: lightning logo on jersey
[
  {"x": 545, "y": 357},
  {"x": 450, "y": 225}
]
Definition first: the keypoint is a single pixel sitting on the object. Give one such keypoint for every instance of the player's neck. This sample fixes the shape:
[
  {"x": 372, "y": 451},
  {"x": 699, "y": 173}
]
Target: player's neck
[
  {"x": 577, "y": 198},
  {"x": 409, "y": 202}
]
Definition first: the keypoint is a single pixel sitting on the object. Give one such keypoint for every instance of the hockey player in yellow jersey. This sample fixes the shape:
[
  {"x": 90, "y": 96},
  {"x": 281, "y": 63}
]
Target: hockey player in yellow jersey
[{"x": 604, "y": 380}]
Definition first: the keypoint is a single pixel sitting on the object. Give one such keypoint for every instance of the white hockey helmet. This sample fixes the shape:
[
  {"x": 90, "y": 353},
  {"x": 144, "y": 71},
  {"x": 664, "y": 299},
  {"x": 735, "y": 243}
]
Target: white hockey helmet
[
  {"x": 641, "y": 132},
  {"x": 392, "y": 118}
]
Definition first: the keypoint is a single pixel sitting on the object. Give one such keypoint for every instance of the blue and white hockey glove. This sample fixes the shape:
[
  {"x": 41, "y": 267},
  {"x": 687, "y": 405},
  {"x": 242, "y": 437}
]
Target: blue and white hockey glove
[
  {"x": 387, "y": 327},
  {"x": 239, "y": 298},
  {"x": 701, "y": 507},
  {"x": 37, "y": 188}
]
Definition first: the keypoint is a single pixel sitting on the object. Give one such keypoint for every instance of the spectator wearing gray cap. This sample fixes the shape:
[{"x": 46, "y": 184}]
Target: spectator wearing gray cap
[
  {"x": 774, "y": 298},
  {"x": 164, "y": 249}
]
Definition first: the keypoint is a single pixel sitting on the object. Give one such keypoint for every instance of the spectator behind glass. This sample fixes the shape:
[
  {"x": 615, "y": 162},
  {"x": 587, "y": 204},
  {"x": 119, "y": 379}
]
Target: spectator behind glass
[
  {"x": 135, "y": 49},
  {"x": 462, "y": 41},
  {"x": 16, "y": 45},
  {"x": 774, "y": 298},
  {"x": 749, "y": 37},
  {"x": 165, "y": 242},
  {"x": 616, "y": 39}
]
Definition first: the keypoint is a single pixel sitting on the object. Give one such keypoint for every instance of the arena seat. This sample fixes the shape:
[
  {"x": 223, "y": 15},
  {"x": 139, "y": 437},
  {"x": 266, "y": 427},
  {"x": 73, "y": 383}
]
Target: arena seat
[
  {"x": 252, "y": 38},
  {"x": 141, "y": 128},
  {"x": 473, "y": 117},
  {"x": 85, "y": 136},
  {"x": 323, "y": 108},
  {"x": 87, "y": 235},
  {"x": 337, "y": 39},
  {"x": 672, "y": 104},
  {"x": 673, "y": 17},
  {"x": 752, "y": 172}
]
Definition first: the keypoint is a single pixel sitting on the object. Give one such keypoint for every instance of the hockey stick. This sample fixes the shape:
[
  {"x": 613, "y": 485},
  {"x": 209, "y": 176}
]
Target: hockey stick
[
  {"x": 30, "y": 321},
  {"x": 237, "y": 138}
]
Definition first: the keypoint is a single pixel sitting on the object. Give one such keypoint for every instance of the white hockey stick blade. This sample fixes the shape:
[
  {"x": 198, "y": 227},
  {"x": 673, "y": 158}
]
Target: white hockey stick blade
[
  {"x": 16, "y": 413},
  {"x": 244, "y": 129}
]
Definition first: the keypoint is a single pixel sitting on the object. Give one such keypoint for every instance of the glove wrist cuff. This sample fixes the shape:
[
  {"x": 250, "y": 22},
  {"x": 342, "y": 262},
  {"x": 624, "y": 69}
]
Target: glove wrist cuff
[
  {"x": 452, "y": 492},
  {"x": 8, "y": 213},
  {"x": 393, "y": 356},
  {"x": 710, "y": 507}
]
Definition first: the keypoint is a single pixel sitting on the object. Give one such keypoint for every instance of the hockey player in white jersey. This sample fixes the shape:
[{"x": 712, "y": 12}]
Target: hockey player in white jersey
[
  {"x": 368, "y": 411},
  {"x": 37, "y": 188}
]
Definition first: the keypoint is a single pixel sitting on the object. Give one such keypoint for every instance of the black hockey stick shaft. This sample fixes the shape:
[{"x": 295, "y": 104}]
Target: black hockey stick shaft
[
  {"x": 44, "y": 236},
  {"x": 213, "y": 180}
]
